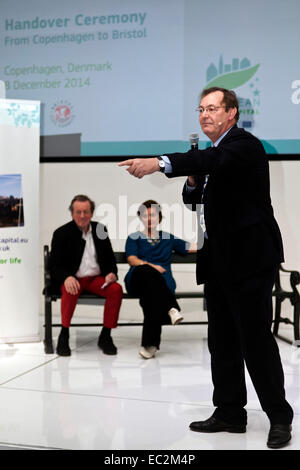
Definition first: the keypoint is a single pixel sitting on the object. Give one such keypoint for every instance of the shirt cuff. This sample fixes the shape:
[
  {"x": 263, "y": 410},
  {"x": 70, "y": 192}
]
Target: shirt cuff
[{"x": 168, "y": 165}]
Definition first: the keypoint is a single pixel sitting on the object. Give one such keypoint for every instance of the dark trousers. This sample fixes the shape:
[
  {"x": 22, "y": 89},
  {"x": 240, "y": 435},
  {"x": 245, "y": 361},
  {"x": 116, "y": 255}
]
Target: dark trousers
[
  {"x": 239, "y": 331},
  {"x": 156, "y": 299}
]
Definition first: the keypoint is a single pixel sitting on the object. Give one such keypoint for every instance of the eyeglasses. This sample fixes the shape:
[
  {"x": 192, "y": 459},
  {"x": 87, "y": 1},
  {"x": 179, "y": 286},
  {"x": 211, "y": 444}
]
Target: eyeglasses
[
  {"x": 209, "y": 109},
  {"x": 84, "y": 212}
]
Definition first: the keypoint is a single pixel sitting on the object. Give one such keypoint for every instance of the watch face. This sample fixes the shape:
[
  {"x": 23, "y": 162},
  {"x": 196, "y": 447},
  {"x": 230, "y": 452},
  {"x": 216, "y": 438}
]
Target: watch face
[{"x": 161, "y": 164}]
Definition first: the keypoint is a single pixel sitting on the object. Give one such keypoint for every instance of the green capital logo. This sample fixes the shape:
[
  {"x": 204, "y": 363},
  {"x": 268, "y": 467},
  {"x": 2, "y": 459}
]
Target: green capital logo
[{"x": 230, "y": 76}]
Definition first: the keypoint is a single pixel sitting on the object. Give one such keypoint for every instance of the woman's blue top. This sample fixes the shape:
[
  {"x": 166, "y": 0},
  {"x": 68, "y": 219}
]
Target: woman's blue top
[{"x": 155, "y": 251}]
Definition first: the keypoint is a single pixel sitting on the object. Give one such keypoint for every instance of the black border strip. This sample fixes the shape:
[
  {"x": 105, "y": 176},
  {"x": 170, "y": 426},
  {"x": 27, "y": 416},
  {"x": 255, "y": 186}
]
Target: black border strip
[{"x": 119, "y": 158}]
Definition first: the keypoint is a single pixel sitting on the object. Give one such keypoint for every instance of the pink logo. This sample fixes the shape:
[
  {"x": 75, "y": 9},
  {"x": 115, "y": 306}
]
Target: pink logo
[{"x": 62, "y": 113}]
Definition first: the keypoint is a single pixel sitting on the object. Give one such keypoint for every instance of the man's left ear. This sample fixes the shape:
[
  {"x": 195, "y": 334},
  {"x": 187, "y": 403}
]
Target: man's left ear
[{"x": 232, "y": 113}]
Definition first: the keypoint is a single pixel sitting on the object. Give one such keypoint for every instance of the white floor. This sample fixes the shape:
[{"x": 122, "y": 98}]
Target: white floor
[{"x": 93, "y": 401}]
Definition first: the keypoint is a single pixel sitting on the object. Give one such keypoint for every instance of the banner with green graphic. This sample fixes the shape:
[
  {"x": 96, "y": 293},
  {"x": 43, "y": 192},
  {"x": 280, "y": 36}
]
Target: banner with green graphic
[
  {"x": 19, "y": 222},
  {"x": 124, "y": 78}
]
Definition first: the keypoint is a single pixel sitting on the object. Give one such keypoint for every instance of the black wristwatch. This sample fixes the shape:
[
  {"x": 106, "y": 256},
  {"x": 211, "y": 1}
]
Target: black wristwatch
[{"x": 162, "y": 165}]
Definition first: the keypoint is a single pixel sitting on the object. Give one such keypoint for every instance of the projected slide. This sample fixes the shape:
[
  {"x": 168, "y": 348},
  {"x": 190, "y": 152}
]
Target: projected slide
[{"x": 123, "y": 78}]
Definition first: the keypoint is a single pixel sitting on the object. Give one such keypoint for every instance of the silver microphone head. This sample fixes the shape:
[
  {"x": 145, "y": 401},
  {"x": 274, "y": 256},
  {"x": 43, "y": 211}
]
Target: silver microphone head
[{"x": 194, "y": 139}]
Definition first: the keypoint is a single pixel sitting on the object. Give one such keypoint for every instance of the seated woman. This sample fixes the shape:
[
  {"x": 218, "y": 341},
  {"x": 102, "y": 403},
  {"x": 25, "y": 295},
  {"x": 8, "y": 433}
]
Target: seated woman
[{"x": 150, "y": 278}]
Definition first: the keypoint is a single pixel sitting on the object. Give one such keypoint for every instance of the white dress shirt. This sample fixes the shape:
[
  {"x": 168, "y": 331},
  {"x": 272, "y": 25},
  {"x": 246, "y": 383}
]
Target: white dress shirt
[{"x": 89, "y": 265}]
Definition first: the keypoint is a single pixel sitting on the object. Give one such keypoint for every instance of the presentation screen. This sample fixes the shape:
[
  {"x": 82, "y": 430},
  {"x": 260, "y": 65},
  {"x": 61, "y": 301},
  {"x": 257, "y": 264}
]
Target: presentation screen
[{"x": 122, "y": 78}]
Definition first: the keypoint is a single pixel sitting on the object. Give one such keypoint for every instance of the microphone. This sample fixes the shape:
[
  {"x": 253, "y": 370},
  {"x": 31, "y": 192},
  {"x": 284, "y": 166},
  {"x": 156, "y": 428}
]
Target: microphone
[{"x": 194, "y": 139}]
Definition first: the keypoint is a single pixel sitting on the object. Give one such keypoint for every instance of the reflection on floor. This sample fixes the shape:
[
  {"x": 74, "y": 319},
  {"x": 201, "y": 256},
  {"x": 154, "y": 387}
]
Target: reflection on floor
[{"x": 93, "y": 401}]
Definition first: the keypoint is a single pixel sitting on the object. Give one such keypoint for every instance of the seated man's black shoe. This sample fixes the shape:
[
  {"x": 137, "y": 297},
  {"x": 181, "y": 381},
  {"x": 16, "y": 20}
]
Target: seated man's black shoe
[
  {"x": 106, "y": 344},
  {"x": 63, "y": 348},
  {"x": 214, "y": 424},
  {"x": 279, "y": 435}
]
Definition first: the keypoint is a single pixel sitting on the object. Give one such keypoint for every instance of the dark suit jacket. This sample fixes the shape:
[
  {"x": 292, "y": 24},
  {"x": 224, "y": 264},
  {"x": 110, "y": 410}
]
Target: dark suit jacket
[
  {"x": 243, "y": 236},
  {"x": 67, "y": 249}
]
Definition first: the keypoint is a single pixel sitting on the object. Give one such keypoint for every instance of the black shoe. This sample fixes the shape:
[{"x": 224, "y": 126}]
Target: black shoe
[
  {"x": 106, "y": 344},
  {"x": 279, "y": 435},
  {"x": 213, "y": 424},
  {"x": 63, "y": 348}
]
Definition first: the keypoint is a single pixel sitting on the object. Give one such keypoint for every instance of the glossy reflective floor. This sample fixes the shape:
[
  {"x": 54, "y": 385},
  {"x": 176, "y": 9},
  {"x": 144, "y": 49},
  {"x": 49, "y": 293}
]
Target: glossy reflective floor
[{"x": 93, "y": 401}]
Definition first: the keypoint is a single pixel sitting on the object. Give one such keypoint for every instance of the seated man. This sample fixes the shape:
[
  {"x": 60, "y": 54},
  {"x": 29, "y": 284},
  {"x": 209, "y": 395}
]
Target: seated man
[{"x": 82, "y": 259}]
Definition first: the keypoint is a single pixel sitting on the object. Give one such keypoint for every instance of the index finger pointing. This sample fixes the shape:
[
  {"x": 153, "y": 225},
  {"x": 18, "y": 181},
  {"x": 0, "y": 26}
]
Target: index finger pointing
[{"x": 126, "y": 163}]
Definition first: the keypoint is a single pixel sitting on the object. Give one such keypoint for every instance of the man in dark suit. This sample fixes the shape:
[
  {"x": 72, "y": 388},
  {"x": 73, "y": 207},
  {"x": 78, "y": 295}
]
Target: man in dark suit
[
  {"x": 238, "y": 263},
  {"x": 82, "y": 259}
]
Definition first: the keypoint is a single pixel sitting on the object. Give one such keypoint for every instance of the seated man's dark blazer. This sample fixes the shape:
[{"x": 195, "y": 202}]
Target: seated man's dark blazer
[
  {"x": 67, "y": 249},
  {"x": 243, "y": 236}
]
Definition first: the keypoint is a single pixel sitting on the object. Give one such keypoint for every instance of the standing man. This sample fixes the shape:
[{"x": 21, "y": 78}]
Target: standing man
[
  {"x": 82, "y": 259},
  {"x": 238, "y": 264}
]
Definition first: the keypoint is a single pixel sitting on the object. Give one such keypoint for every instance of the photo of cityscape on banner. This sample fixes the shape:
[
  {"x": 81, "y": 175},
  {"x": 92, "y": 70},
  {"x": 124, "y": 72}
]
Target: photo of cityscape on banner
[{"x": 11, "y": 201}]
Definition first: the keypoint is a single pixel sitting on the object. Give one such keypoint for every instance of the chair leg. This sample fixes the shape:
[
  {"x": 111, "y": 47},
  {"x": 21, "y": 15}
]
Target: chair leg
[
  {"x": 48, "y": 342},
  {"x": 297, "y": 321},
  {"x": 277, "y": 316}
]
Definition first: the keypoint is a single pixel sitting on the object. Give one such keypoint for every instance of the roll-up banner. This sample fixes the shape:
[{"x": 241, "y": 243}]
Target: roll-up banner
[{"x": 19, "y": 229}]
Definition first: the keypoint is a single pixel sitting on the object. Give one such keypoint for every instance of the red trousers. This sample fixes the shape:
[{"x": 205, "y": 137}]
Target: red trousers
[{"x": 113, "y": 294}]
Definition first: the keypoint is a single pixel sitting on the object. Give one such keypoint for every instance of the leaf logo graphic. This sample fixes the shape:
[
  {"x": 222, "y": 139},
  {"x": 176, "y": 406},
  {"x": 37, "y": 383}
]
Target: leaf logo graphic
[{"x": 233, "y": 79}]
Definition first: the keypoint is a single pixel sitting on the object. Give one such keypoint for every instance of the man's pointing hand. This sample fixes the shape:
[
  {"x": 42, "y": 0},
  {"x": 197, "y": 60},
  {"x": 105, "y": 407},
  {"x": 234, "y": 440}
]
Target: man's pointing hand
[{"x": 140, "y": 167}]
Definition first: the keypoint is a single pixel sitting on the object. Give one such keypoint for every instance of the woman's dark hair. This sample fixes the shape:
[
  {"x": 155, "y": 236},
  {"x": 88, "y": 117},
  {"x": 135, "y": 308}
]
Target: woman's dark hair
[
  {"x": 149, "y": 205},
  {"x": 82, "y": 198}
]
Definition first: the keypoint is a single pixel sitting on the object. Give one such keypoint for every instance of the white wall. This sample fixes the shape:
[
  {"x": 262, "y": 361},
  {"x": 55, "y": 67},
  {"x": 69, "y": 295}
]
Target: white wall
[
  {"x": 106, "y": 183},
  {"x": 285, "y": 193}
]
